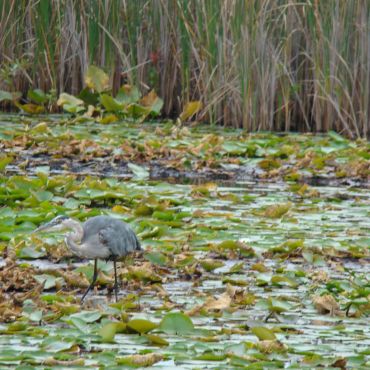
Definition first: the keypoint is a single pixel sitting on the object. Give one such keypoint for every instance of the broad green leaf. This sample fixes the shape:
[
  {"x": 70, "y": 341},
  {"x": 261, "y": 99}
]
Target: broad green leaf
[
  {"x": 283, "y": 280},
  {"x": 263, "y": 333},
  {"x": 141, "y": 326},
  {"x": 111, "y": 104},
  {"x": 128, "y": 94},
  {"x": 156, "y": 257},
  {"x": 108, "y": 332},
  {"x": 30, "y": 253},
  {"x": 49, "y": 281},
  {"x": 210, "y": 265},
  {"x": 70, "y": 103},
  {"x": 5, "y": 95},
  {"x": 43, "y": 195},
  {"x": 190, "y": 109},
  {"x": 37, "y": 96},
  {"x": 152, "y": 102},
  {"x": 56, "y": 344},
  {"x": 88, "y": 316},
  {"x": 96, "y": 79},
  {"x": 176, "y": 323},
  {"x": 138, "y": 171},
  {"x": 156, "y": 340},
  {"x": 4, "y": 161},
  {"x": 30, "y": 108}
]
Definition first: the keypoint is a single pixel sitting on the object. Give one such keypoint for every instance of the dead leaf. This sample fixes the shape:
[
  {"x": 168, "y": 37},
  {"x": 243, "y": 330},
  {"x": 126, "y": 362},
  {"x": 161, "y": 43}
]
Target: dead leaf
[
  {"x": 66, "y": 363},
  {"x": 326, "y": 304},
  {"x": 141, "y": 360},
  {"x": 269, "y": 346},
  {"x": 341, "y": 363},
  {"x": 213, "y": 304}
]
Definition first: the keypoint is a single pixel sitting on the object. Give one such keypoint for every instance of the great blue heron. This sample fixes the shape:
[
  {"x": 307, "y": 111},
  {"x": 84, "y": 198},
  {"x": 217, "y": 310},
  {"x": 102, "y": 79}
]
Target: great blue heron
[{"x": 100, "y": 237}]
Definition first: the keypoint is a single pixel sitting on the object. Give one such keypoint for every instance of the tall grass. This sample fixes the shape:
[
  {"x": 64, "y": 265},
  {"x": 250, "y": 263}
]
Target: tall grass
[{"x": 257, "y": 64}]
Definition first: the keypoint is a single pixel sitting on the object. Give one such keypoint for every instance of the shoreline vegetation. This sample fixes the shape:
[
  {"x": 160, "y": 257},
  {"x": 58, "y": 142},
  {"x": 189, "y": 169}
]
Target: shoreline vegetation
[{"x": 260, "y": 65}]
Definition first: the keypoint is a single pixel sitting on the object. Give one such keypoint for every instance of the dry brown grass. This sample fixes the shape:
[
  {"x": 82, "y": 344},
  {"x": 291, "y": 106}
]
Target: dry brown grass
[{"x": 261, "y": 65}]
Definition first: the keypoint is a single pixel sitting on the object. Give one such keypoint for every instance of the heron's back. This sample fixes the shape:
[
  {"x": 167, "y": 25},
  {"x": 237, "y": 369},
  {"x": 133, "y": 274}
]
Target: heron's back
[{"x": 110, "y": 233}]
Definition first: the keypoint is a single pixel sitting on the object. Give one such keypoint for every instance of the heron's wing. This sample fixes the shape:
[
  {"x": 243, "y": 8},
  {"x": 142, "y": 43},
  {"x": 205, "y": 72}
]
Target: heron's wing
[{"x": 119, "y": 238}]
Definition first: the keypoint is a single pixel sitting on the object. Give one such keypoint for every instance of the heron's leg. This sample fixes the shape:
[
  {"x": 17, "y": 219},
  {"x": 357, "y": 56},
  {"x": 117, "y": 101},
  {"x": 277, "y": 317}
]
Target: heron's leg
[
  {"x": 95, "y": 276},
  {"x": 115, "y": 279}
]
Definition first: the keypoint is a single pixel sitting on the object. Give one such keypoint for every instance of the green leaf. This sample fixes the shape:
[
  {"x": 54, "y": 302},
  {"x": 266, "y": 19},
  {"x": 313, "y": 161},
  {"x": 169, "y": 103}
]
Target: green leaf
[
  {"x": 42, "y": 195},
  {"x": 111, "y": 104},
  {"x": 156, "y": 340},
  {"x": 210, "y": 264},
  {"x": 141, "y": 326},
  {"x": 156, "y": 258},
  {"x": 152, "y": 102},
  {"x": 30, "y": 253},
  {"x": 190, "y": 109},
  {"x": 336, "y": 137},
  {"x": 263, "y": 333},
  {"x": 283, "y": 280},
  {"x": 176, "y": 323},
  {"x": 128, "y": 94},
  {"x": 49, "y": 281},
  {"x": 30, "y": 108},
  {"x": 4, "y": 161},
  {"x": 56, "y": 345},
  {"x": 88, "y": 316},
  {"x": 138, "y": 171},
  {"x": 5, "y": 95},
  {"x": 96, "y": 79},
  {"x": 108, "y": 332},
  {"x": 37, "y": 96},
  {"x": 70, "y": 103}
]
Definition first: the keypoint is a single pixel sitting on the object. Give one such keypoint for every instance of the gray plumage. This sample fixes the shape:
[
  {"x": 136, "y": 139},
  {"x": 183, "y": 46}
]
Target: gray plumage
[
  {"x": 110, "y": 233},
  {"x": 102, "y": 237}
]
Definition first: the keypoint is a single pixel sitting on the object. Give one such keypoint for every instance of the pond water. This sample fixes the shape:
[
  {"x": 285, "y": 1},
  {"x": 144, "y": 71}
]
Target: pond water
[
  {"x": 325, "y": 224},
  {"x": 234, "y": 256}
]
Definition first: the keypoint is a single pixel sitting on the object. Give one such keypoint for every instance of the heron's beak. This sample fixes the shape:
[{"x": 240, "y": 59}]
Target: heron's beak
[{"x": 42, "y": 227}]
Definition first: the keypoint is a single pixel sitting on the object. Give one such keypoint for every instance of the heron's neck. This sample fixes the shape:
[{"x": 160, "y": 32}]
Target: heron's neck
[
  {"x": 76, "y": 234},
  {"x": 74, "y": 237}
]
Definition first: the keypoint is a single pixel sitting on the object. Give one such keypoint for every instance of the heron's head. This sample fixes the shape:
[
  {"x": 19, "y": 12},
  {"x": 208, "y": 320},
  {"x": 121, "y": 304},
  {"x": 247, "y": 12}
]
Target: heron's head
[{"x": 56, "y": 224}]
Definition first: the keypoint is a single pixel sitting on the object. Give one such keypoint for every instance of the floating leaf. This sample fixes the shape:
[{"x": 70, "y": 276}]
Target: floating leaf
[
  {"x": 156, "y": 257},
  {"x": 270, "y": 346},
  {"x": 49, "y": 281},
  {"x": 30, "y": 253},
  {"x": 87, "y": 316},
  {"x": 176, "y": 323},
  {"x": 156, "y": 340},
  {"x": 141, "y": 326},
  {"x": 138, "y": 171},
  {"x": 283, "y": 280},
  {"x": 4, "y": 161},
  {"x": 108, "y": 332},
  {"x": 326, "y": 304},
  {"x": 277, "y": 210},
  {"x": 210, "y": 265},
  {"x": 146, "y": 360},
  {"x": 263, "y": 333}
]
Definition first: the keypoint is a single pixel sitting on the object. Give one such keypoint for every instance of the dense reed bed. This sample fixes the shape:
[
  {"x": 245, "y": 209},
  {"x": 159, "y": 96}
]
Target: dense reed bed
[{"x": 257, "y": 64}]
